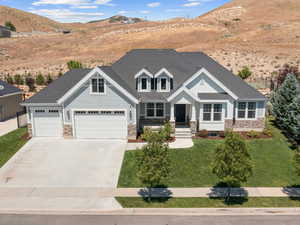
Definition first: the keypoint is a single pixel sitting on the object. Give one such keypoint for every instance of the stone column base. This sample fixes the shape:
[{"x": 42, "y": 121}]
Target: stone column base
[
  {"x": 193, "y": 126},
  {"x": 173, "y": 125},
  {"x": 29, "y": 129},
  {"x": 68, "y": 131},
  {"x": 132, "y": 132}
]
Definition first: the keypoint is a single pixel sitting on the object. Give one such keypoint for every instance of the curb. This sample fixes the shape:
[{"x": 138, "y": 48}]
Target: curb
[{"x": 164, "y": 212}]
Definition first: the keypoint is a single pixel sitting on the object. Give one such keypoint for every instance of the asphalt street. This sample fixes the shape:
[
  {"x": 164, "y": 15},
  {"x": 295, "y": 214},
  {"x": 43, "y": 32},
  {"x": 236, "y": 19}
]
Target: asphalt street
[{"x": 147, "y": 220}]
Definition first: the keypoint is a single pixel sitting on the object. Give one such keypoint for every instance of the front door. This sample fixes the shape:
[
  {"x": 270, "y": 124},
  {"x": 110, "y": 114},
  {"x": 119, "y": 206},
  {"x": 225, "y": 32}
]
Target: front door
[{"x": 180, "y": 113}]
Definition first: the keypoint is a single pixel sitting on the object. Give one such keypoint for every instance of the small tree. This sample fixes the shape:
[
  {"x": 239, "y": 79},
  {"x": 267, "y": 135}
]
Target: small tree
[
  {"x": 9, "y": 79},
  {"x": 284, "y": 72},
  {"x": 74, "y": 65},
  {"x": 232, "y": 161},
  {"x": 282, "y": 98},
  {"x": 153, "y": 162},
  {"x": 49, "y": 79},
  {"x": 18, "y": 79},
  {"x": 10, "y": 26},
  {"x": 30, "y": 83},
  {"x": 40, "y": 80},
  {"x": 245, "y": 73}
]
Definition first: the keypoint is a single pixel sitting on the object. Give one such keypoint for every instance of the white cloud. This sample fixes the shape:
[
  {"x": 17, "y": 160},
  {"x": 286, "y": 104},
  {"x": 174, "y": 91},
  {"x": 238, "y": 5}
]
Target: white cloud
[
  {"x": 153, "y": 4},
  {"x": 85, "y": 7},
  {"x": 122, "y": 12},
  {"x": 191, "y": 4},
  {"x": 144, "y": 12},
  {"x": 60, "y": 2},
  {"x": 104, "y": 2},
  {"x": 66, "y": 15}
]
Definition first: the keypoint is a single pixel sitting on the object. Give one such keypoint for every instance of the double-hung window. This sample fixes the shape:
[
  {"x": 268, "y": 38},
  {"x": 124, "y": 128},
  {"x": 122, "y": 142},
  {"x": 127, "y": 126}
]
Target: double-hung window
[
  {"x": 212, "y": 112},
  {"x": 98, "y": 85},
  {"x": 144, "y": 84},
  {"x": 246, "y": 110},
  {"x": 163, "y": 84},
  {"x": 155, "y": 110}
]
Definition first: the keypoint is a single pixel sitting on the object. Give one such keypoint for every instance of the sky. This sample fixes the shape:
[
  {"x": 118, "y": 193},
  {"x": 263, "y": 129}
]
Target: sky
[{"x": 88, "y": 10}]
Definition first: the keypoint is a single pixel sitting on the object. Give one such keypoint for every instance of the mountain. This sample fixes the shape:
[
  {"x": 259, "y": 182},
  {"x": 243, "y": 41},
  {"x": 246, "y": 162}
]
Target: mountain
[
  {"x": 261, "y": 34},
  {"x": 120, "y": 19},
  {"x": 28, "y": 22}
]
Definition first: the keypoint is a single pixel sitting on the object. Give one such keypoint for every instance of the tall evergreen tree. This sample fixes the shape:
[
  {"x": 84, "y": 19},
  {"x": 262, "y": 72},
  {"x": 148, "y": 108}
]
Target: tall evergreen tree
[
  {"x": 282, "y": 98},
  {"x": 293, "y": 121}
]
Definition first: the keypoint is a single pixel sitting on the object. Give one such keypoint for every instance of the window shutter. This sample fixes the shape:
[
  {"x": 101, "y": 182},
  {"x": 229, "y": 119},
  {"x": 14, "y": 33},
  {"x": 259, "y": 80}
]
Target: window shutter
[
  {"x": 155, "y": 83},
  {"x": 152, "y": 84},
  {"x": 136, "y": 83},
  {"x": 171, "y": 83}
]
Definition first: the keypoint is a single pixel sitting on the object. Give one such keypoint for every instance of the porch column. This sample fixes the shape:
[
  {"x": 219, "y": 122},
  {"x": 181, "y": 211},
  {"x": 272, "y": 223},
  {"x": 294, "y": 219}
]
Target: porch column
[
  {"x": 172, "y": 113},
  {"x": 193, "y": 117}
]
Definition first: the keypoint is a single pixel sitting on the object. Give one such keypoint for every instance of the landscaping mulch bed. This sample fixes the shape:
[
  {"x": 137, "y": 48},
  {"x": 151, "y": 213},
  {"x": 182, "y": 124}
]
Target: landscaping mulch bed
[{"x": 139, "y": 140}]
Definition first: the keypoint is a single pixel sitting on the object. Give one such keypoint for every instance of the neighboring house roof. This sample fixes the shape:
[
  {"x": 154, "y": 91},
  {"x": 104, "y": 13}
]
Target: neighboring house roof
[
  {"x": 4, "y": 28},
  {"x": 182, "y": 65},
  {"x": 59, "y": 87},
  {"x": 8, "y": 89}
]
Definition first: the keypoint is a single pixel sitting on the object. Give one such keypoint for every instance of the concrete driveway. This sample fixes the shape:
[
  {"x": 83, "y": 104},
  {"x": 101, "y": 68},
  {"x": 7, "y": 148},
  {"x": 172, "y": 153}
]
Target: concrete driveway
[
  {"x": 50, "y": 162},
  {"x": 8, "y": 126}
]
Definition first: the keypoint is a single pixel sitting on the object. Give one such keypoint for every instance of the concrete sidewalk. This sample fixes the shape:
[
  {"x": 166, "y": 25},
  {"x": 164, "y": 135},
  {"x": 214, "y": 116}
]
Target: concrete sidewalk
[
  {"x": 181, "y": 143},
  {"x": 82, "y": 192}
]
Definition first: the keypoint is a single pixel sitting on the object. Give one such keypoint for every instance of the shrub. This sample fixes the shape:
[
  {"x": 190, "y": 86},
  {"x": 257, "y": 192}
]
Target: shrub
[
  {"x": 10, "y": 26},
  {"x": 245, "y": 73},
  {"x": 49, "y": 79},
  {"x": 18, "y": 79},
  {"x": 30, "y": 83},
  {"x": 74, "y": 65},
  {"x": 284, "y": 72},
  {"x": 9, "y": 79},
  {"x": 222, "y": 134},
  {"x": 40, "y": 80},
  {"x": 203, "y": 133},
  {"x": 166, "y": 131},
  {"x": 253, "y": 134},
  {"x": 267, "y": 132}
]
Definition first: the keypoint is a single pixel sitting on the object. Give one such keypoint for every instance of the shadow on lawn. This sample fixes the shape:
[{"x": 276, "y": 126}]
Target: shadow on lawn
[
  {"x": 229, "y": 195},
  {"x": 160, "y": 194},
  {"x": 293, "y": 192}
]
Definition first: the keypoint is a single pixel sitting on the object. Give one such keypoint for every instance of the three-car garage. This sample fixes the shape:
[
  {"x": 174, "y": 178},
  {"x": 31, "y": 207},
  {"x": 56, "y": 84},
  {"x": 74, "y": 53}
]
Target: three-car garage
[{"x": 86, "y": 124}]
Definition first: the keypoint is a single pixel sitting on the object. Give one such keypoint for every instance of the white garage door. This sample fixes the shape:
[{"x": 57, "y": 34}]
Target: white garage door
[
  {"x": 47, "y": 123},
  {"x": 100, "y": 124}
]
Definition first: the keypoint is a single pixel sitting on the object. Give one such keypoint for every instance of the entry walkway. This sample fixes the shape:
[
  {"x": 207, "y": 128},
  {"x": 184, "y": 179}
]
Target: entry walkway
[{"x": 181, "y": 143}]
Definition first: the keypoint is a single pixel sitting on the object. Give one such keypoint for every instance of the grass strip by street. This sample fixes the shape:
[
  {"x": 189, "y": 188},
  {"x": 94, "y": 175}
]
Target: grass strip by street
[
  {"x": 234, "y": 202},
  {"x": 272, "y": 158},
  {"x": 11, "y": 143}
]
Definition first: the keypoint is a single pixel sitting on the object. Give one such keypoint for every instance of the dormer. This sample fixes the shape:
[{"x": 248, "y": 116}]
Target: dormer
[
  {"x": 164, "y": 80},
  {"x": 143, "y": 80}
]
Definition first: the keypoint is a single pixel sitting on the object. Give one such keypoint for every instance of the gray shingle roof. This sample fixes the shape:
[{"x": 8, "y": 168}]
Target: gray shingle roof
[
  {"x": 59, "y": 87},
  {"x": 239, "y": 87},
  {"x": 214, "y": 96},
  {"x": 181, "y": 65},
  {"x": 7, "y": 89}
]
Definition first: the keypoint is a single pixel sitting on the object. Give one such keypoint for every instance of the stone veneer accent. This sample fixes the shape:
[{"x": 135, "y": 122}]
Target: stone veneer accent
[
  {"x": 193, "y": 126},
  {"x": 245, "y": 125},
  {"x": 173, "y": 125},
  {"x": 132, "y": 132},
  {"x": 68, "y": 132},
  {"x": 29, "y": 129}
]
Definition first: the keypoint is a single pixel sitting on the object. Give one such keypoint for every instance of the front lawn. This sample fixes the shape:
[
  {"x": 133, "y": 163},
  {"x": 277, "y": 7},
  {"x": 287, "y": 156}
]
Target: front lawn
[
  {"x": 208, "y": 202},
  {"x": 11, "y": 143},
  {"x": 273, "y": 164}
]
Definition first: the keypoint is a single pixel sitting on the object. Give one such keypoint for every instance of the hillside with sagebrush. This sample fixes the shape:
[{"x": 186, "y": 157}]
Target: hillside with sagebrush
[{"x": 262, "y": 35}]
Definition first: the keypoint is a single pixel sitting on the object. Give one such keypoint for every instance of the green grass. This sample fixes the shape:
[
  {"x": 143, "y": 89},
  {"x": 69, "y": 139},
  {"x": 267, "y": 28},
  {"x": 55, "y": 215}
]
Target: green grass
[
  {"x": 137, "y": 202},
  {"x": 272, "y": 158},
  {"x": 10, "y": 144}
]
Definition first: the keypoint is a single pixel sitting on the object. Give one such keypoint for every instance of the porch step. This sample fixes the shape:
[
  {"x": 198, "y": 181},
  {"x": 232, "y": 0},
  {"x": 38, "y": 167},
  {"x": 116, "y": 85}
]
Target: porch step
[{"x": 183, "y": 132}]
